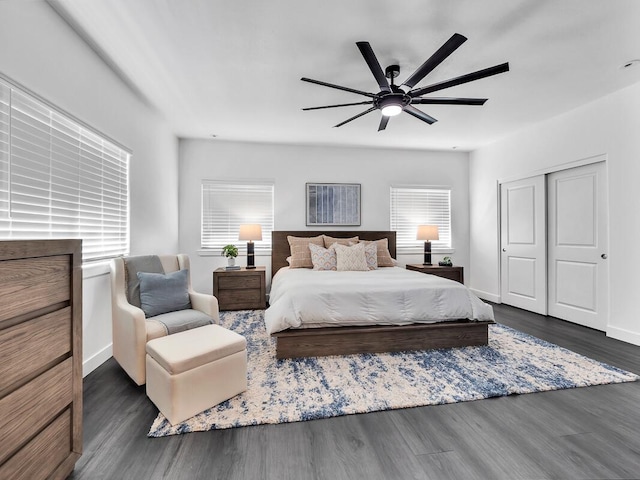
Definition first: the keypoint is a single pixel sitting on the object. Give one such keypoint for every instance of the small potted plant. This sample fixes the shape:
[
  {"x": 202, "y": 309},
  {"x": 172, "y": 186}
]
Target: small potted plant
[
  {"x": 446, "y": 262},
  {"x": 231, "y": 252}
]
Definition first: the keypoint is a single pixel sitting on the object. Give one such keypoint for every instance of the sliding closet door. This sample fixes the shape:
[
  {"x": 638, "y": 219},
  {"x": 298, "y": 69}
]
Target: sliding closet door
[
  {"x": 523, "y": 244},
  {"x": 578, "y": 245}
]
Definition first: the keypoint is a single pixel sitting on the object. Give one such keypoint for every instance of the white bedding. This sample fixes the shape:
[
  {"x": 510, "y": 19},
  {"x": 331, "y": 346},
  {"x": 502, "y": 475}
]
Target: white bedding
[{"x": 305, "y": 298}]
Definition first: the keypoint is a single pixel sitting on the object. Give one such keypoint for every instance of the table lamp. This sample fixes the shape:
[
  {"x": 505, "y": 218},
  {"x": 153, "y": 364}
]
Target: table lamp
[
  {"x": 427, "y": 233},
  {"x": 250, "y": 232}
]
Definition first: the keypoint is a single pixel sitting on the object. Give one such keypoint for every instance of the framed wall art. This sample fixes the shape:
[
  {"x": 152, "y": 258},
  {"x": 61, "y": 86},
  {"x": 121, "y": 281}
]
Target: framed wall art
[{"x": 333, "y": 204}]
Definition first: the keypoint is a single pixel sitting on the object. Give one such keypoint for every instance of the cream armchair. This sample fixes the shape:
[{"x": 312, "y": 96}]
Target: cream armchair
[{"x": 132, "y": 330}]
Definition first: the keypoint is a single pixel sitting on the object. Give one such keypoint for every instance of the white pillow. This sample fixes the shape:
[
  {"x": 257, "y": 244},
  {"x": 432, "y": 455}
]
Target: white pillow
[{"x": 351, "y": 258}]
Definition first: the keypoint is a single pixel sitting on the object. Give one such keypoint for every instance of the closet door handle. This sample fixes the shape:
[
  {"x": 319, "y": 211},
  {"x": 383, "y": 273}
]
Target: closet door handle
[
  {"x": 603, "y": 256},
  {"x": 504, "y": 249}
]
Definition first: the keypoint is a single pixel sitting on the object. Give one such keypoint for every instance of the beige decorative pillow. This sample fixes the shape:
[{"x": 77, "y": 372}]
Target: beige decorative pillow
[
  {"x": 351, "y": 258},
  {"x": 328, "y": 241},
  {"x": 384, "y": 257},
  {"x": 371, "y": 254},
  {"x": 300, "y": 253},
  {"x": 323, "y": 258}
]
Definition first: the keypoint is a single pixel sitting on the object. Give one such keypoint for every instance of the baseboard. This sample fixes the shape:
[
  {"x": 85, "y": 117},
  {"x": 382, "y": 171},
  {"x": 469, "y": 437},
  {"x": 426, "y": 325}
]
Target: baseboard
[
  {"x": 94, "y": 361},
  {"x": 624, "y": 335},
  {"x": 486, "y": 295}
]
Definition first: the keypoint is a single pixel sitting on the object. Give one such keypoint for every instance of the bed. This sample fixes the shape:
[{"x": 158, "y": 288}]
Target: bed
[{"x": 354, "y": 312}]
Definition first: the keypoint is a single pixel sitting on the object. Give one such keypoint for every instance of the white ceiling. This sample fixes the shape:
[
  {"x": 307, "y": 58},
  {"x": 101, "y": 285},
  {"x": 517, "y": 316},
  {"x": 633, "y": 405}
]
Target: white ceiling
[{"x": 233, "y": 68}]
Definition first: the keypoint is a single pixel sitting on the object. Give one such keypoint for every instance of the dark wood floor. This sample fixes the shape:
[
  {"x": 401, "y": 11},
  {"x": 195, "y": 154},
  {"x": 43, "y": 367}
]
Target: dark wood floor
[{"x": 585, "y": 433}]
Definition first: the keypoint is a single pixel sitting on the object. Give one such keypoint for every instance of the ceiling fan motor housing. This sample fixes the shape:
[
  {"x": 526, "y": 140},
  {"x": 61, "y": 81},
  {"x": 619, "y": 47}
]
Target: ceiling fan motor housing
[{"x": 389, "y": 99}]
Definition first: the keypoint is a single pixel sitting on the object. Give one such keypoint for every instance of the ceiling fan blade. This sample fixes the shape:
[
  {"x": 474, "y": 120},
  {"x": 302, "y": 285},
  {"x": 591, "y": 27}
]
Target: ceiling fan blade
[
  {"x": 346, "y": 89},
  {"x": 356, "y": 116},
  {"x": 448, "y": 101},
  {"x": 383, "y": 122},
  {"x": 419, "y": 114},
  {"x": 374, "y": 65},
  {"x": 436, "y": 59},
  {"x": 340, "y": 105},
  {"x": 469, "y": 77}
]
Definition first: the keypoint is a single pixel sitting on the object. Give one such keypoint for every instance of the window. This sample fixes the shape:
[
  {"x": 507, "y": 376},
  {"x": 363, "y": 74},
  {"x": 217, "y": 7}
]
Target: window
[
  {"x": 227, "y": 205},
  {"x": 413, "y": 206},
  {"x": 58, "y": 179}
]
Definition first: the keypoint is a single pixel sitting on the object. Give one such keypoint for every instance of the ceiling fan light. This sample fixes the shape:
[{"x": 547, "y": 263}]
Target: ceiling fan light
[{"x": 391, "y": 110}]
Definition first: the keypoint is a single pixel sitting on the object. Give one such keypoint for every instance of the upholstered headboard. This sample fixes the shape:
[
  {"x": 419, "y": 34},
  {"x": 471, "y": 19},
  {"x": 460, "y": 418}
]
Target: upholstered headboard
[{"x": 280, "y": 245}]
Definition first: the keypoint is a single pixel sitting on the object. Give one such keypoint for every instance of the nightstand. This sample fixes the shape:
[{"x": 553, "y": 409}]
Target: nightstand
[
  {"x": 452, "y": 273},
  {"x": 242, "y": 289}
]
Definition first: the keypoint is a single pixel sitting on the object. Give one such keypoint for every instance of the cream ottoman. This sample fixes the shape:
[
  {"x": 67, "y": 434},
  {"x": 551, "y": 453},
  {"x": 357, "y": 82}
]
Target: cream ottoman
[{"x": 191, "y": 371}]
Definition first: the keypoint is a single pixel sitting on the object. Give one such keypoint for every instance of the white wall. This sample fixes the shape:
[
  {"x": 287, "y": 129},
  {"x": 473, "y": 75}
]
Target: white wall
[
  {"x": 57, "y": 65},
  {"x": 291, "y": 166},
  {"x": 609, "y": 126}
]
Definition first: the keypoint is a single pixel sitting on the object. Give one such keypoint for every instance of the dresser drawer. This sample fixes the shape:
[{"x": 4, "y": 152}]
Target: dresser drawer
[
  {"x": 32, "y": 345},
  {"x": 27, "y": 285},
  {"x": 50, "y": 448},
  {"x": 28, "y": 409},
  {"x": 232, "y": 282}
]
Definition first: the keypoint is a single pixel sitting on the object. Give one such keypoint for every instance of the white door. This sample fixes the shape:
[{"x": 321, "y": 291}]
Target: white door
[
  {"x": 578, "y": 245},
  {"x": 523, "y": 244}
]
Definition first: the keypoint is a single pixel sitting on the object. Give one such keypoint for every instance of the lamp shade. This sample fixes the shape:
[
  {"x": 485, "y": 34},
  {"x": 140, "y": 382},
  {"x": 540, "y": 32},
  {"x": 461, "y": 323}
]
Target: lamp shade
[
  {"x": 250, "y": 232},
  {"x": 427, "y": 232}
]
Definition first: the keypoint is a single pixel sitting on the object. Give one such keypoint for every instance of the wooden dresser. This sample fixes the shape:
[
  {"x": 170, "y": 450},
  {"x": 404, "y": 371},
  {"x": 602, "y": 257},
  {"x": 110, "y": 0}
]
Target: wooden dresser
[
  {"x": 242, "y": 289},
  {"x": 40, "y": 358}
]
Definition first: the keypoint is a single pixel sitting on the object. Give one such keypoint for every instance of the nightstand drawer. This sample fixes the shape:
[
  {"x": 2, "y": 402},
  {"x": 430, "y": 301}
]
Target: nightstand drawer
[
  {"x": 229, "y": 282},
  {"x": 452, "y": 273},
  {"x": 238, "y": 299}
]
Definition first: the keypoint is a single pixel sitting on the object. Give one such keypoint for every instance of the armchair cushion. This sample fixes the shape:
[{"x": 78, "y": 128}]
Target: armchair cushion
[
  {"x": 160, "y": 293},
  {"x": 174, "y": 322},
  {"x": 133, "y": 265}
]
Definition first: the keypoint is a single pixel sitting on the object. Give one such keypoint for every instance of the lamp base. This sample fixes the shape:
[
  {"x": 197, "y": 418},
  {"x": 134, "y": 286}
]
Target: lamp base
[
  {"x": 251, "y": 262},
  {"x": 427, "y": 254}
]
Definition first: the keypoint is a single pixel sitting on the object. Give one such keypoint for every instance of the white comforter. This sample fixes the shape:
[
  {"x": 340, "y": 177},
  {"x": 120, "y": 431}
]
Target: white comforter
[{"x": 304, "y": 298}]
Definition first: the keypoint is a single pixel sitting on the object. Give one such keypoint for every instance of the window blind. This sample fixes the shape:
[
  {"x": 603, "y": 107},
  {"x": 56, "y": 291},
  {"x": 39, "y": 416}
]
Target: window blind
[
  {"x": 59, "y": 179},
  {"x": 413, "y": 206},
  {"x": 5, "y": 123},
  {"x": 227, "y": 205}
]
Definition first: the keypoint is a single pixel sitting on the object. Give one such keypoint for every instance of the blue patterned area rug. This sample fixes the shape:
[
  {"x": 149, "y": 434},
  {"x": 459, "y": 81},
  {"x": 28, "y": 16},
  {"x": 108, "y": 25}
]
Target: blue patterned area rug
[{"x": 296, "y": 390}]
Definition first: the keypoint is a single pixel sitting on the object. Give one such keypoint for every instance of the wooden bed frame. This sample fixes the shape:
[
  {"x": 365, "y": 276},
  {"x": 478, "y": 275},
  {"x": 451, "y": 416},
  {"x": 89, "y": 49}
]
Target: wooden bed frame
[{"x": 312, "y": 342}]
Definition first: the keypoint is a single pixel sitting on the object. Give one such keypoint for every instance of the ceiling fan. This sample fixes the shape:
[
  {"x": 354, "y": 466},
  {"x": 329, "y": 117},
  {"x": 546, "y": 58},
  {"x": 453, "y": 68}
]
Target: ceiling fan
[{"x": 393, "y": 99}]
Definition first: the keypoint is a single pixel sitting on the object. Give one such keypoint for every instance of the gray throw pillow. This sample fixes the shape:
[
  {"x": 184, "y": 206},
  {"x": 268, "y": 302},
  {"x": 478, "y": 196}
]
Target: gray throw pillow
[
  {"x": 133, "y": 265},
  {"x": 160, "y": 293}
]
